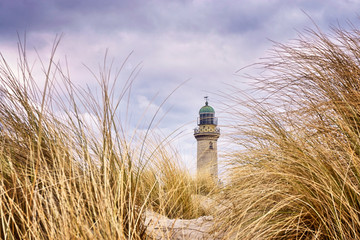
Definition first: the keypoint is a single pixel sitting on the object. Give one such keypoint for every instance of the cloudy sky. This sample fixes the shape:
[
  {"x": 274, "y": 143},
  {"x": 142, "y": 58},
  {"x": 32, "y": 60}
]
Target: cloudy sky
[{"x": 202, "y": 41}]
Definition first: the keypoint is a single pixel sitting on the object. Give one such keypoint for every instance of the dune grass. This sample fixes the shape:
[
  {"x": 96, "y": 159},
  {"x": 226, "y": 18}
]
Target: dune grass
[
  {"x": 298, "y": 175},
  {"x": 64, "y": 176}
]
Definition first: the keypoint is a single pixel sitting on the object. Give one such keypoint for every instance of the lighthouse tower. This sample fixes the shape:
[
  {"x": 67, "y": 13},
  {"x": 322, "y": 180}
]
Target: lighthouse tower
[{"x": 207, "y": 134}]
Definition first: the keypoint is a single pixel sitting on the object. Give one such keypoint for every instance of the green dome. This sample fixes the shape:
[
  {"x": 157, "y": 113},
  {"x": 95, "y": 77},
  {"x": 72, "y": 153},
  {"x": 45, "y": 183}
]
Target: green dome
[{"x": 206, "y": 109}]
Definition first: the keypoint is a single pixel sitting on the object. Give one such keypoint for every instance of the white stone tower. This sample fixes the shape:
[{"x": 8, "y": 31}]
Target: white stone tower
[{"x": 207, "y": 134}]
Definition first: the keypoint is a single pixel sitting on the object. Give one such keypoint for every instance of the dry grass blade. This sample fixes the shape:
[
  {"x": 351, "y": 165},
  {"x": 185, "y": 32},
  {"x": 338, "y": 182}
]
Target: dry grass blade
[
  {"x": 298, "y": 176},
  {"x": 61, "y": 179}
]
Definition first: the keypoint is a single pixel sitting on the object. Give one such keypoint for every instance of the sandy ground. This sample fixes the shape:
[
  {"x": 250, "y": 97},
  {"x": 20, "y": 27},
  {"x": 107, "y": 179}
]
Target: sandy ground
[{"x": 161, "y": 227}]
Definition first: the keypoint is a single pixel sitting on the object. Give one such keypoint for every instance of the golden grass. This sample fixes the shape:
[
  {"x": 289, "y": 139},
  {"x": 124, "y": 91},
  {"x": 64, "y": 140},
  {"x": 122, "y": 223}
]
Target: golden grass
[
  {"x": 61, "y": 179},
  {"x": 298, "y": 176},
  {"x": 173, "y": 188}
]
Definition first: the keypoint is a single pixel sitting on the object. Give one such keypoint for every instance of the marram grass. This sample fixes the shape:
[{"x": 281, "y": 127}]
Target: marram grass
[
  {"x": 62, "y": 179},
  {"x": 298, "y": 175}
]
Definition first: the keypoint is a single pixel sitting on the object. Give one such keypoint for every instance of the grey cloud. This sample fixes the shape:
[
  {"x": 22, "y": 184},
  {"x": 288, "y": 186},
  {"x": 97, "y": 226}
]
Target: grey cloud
[
  {"x": 60, "y": 15},
  {"x": 153, "y": 16},
  {"x": 205, "y": 40}
]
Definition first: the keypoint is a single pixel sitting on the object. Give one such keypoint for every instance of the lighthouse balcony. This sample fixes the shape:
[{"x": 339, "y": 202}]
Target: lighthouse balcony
[{"x": 209, "y": 131}]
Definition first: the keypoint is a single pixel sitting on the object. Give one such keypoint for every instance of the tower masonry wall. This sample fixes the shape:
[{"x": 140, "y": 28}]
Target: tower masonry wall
[
  {"x": 207, "y": 155},
  {"x": 207, "y": 134}
]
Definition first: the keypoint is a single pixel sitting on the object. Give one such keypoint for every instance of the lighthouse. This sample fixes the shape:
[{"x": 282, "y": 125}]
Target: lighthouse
[{"x": 207, "y": 134}]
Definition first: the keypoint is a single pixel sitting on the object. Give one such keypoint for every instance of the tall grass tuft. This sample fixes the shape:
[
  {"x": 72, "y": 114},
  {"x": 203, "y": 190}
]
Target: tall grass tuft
[
  {"x": 173, "y": 189},
  {"x": 69, "y": 167},
  {"x": 298, "y": 175}
]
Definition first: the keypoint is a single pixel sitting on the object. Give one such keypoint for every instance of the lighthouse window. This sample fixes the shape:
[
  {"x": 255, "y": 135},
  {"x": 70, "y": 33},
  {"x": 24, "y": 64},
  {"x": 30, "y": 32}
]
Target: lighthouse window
[
  {"x": 207, "y": 118},
  {"x": 211, "y": 145}
]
